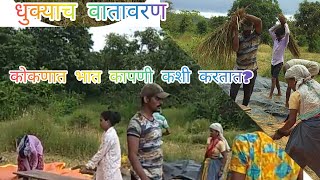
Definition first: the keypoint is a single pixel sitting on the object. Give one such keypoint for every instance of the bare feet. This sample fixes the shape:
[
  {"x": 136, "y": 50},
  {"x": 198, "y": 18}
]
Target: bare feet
[
  {"x": 279, "y": 94},
  {"x": 270, "y": 96}
]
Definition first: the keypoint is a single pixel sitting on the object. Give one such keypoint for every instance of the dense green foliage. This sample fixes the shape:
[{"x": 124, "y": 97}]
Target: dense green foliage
[
  {"x": 60, "y": 48},
  {"x": 307, "y": 23}
]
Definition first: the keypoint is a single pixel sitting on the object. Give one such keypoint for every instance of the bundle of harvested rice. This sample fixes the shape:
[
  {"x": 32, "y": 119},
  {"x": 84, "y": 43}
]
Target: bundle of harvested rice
[
  {"x": 216, "y": 48},
  {"x": 293, "y": 46}
]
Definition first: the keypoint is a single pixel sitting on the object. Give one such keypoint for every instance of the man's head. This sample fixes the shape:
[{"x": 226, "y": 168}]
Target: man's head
[
  {"x": 152, "y": 96},
  {"x": 247, "y": 28},
  {"x": 280, "y": 33}
]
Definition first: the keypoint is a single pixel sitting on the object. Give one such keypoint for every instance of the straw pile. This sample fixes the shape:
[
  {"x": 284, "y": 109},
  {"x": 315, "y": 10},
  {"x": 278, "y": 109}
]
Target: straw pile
[{"x": 216, "y": 48}]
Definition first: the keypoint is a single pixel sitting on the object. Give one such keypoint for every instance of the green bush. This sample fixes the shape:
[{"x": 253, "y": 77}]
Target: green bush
[
  {"x": 199, "y": 138},
  {"x": 314, "y": 44},
  {"x": 198, "y": 125},
  {"x": 302, "y": 40},
  {"x": 64, "y": 103}
]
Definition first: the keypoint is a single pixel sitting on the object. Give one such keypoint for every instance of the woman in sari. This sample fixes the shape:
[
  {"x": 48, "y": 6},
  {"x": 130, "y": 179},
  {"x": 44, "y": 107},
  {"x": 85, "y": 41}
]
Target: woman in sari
[
  {"x": 30, "y": 154},
  {"x": 216, "y": 154},
  {"x": 304, "y": 141}
]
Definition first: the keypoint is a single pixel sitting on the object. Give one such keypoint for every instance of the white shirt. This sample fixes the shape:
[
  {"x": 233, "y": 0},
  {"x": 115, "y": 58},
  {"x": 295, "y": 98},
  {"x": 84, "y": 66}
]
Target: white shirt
[
  {"x": 279, "y": 47},
  {"x": 108, "y": 158}
]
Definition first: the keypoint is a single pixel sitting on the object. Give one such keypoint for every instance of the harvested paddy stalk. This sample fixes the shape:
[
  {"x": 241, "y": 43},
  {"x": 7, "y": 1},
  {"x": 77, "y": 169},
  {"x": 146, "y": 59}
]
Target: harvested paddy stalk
[
  {"x": 293, "y": 46},
  {"x": 216, "y": 48}
]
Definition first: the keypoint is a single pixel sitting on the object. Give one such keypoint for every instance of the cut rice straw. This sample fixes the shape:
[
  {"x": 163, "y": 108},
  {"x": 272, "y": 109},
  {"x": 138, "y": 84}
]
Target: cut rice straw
[
  {"x": 216, "y": 48},
  {"x": 293, "y": 47}
]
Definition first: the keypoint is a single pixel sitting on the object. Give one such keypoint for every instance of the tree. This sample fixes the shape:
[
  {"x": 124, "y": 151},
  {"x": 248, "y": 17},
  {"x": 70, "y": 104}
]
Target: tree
[
  {"x": 170, "y": 8},
  {"x": 149, "y": 39},
  {"x": 266, "y": 10},
  {"x": 215, "y": 22},
  {"x": 185, "y": 23},
  {"x": 307, "y": 20},
  {"x": 202, "y": 26},
  {"x": 17, "y": 49},
  {"x": 63, "y": 49}
]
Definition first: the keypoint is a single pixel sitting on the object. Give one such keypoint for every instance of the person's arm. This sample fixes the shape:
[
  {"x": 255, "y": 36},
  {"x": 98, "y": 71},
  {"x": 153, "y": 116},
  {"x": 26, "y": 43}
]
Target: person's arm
[
  {"x": 257, "y": 22},
  {"x": 167, "y": 132},
  {"x": 133, "y": 138},
  {"x": 238, "y": 167},
  {"x": 223, "y": 150},
  {"x": 288, "y": 92},
  {"x": 300, "y": 176},
  {"x": 224, "y": 160},
  {"x": 133, "y": 147},
  {"x": 103, "y": 149},
  {"x": 286, "y": 129},
  {"x": 207, "y": 146},
  {"x": 294, "y": 104},
  {"x": 287, "y": 34},
  {"x": 284, "y": 23},
  {"x": 166, "y": 126},
  {"x": 290, "y": 122},
  {"x": 272, "y": 33}
]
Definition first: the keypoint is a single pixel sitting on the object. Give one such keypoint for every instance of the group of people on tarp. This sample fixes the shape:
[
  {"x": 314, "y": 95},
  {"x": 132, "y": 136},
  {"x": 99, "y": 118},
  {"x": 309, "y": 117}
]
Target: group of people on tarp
[{"x": 304, "y": 103}]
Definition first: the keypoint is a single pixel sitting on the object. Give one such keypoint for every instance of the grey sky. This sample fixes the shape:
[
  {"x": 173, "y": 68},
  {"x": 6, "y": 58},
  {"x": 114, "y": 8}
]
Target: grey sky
[{"x": 289, "y": 7}]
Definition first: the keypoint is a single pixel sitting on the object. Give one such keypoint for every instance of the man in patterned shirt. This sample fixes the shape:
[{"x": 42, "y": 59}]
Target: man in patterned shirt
[
  {"x": 144, "y": 136},
  {"x": 246, "y": 47}
]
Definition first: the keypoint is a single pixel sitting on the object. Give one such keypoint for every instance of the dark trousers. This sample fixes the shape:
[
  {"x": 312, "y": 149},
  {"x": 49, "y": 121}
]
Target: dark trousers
[{"x": 247, "y": 88}]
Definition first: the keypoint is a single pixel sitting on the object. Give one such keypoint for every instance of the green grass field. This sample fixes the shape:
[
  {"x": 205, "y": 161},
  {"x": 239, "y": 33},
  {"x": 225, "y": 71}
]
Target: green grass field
[{"x": 75, "y": 137}]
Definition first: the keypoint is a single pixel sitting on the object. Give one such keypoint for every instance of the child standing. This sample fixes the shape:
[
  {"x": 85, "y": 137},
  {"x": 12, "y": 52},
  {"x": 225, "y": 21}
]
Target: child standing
[
  {"x": 108, "y": 158},
  {"x": 162, "y": 121}
]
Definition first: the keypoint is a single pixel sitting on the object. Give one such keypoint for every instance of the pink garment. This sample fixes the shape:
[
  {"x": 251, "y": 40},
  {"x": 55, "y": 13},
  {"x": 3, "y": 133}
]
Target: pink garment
[{"x": 34, "y": 154}]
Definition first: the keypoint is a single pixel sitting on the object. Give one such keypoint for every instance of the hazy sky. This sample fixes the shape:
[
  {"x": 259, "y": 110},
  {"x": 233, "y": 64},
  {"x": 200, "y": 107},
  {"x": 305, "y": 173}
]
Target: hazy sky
[{"x": 289, "y": 7}]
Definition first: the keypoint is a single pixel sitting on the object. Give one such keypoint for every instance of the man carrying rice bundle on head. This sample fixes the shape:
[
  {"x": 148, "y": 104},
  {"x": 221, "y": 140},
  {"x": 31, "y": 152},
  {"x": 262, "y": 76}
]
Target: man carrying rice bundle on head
[{"x": 246, "y": 46}]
